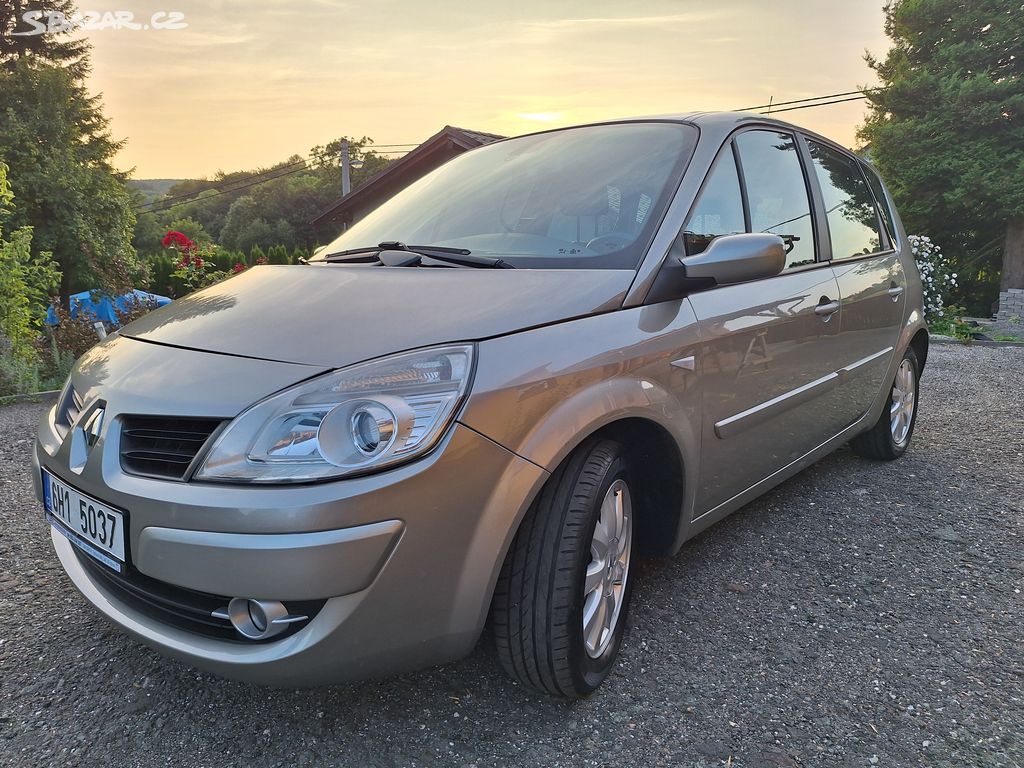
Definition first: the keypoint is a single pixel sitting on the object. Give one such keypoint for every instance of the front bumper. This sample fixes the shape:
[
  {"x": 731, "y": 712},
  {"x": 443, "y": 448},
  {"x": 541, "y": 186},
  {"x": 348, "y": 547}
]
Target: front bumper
[{"x": 406, "y": 559}]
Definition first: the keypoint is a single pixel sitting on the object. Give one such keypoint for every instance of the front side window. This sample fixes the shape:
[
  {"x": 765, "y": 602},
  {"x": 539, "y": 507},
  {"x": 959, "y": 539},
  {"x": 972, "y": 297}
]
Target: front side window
[
  {"x": 849, "y": 205},
  {"x": 777, "y": 192},
  {"x": 719, "y": 206},
  {"x": 586, "y": 197}
]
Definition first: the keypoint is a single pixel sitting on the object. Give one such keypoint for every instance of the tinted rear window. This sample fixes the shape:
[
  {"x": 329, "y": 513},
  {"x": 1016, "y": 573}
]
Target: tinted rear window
[
  {"x": 883, "y": 203},
  {"x": 849, "y": 204}
]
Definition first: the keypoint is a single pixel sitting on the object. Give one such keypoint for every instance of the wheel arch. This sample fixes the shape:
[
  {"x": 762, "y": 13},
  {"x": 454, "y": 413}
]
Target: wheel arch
[
  {"x": 919, "y": 343},
  {"x": 659, "y": 468}
]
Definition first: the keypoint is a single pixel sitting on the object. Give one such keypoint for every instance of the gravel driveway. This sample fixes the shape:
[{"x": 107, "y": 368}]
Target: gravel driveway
[{"x": 860, "y": 614}]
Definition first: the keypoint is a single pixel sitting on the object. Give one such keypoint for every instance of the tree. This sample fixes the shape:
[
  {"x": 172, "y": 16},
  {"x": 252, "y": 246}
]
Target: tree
[
  {"x": 26, "y": 281},
  {"x": 33, "y": 30},
  {"x": 947, "y": 132},
  {"x": 56, "y": 142}
]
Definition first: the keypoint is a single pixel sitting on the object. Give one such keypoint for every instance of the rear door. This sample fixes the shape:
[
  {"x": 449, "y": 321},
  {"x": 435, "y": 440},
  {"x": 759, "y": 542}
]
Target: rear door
[
  {"x": 872, "y": 285},
  {"x": 769, "y": 348}
]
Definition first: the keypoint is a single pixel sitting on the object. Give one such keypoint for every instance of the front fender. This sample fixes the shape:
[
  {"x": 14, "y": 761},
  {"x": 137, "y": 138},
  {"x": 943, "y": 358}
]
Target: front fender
[{"x": 540, "y": 393}]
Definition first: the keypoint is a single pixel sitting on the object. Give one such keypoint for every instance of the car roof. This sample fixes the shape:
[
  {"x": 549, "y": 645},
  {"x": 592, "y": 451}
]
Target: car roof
[{"x": 716, "y": 126}]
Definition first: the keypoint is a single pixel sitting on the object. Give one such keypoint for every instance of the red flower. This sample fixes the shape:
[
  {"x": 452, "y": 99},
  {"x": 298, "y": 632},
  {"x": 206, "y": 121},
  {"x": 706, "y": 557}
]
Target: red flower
[
  {"x": 239, "y": 267},
  {"x": 261, "y": 260},
  {"x": 174, "y": 239},
  {"x": 198, "y": 262},
  {"x": 185, "y": 261}
]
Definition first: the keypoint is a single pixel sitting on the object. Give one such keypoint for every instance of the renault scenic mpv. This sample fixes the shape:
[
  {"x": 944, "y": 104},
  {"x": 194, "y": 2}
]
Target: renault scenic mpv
[{"x": 484, "y": 401}]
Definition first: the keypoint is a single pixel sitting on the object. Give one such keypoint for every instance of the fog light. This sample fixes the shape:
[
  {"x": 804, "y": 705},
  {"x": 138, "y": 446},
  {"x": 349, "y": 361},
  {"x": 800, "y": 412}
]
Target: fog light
[{"x": 257, "y": 619}]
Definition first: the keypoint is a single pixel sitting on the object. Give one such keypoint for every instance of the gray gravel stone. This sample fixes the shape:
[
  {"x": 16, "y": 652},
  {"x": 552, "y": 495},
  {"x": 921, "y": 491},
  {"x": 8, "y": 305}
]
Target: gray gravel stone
[{"x": 869, "y": 636}]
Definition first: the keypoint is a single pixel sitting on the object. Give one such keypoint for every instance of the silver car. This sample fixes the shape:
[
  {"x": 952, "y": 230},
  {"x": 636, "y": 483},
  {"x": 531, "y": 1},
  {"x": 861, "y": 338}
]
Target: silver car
[{"x": 484, "y": 401}]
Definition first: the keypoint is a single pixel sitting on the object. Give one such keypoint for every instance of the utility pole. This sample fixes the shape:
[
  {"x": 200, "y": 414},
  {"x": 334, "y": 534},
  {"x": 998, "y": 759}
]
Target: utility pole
[{"x": 346, "y": 168}]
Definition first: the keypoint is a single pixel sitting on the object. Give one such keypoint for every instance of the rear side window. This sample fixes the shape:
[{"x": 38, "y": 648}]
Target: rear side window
[
  {"x": 849, "y": 205},
  {"x": 719, "y": 206},
  {"x": 777, "y": 192},
  {"x": 883, "y": 203}
]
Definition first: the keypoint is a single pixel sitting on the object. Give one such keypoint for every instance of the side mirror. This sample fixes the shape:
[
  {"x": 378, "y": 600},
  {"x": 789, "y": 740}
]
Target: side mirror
[{"x": 737, "y": 259}]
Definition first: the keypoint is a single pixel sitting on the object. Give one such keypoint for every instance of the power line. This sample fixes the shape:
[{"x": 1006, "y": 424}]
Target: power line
[
  {"x": 224, "y": 192},
  {"x": 819, "y": 104},
  {"x": 194, "y": 195},
  {"x": 162, "y": 204},
  {"x": 399, "y": 149},
  {"x": 772, "y": 105}
]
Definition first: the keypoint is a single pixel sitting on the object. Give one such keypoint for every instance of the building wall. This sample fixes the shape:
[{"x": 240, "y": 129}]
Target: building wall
[{"x": 1010, "y": 318}]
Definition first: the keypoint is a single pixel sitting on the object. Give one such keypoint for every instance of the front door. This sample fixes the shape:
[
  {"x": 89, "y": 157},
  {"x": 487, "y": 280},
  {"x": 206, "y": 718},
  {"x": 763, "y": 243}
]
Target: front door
[{"x": 769, "y": 349}]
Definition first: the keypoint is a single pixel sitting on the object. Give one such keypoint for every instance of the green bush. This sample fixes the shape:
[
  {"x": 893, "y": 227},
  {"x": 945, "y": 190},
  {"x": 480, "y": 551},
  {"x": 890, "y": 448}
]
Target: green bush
[
  {"x": 298, "y": 254},
  {"x": 278, "y": 254},
  {"x": 17, "y": 376},
  {"x": 257, "y": 256},
  {"x": 224, "y": 260}
]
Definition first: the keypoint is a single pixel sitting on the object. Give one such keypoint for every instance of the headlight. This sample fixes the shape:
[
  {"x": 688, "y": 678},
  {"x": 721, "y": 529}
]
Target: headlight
[{"x": 350, "y": 421}]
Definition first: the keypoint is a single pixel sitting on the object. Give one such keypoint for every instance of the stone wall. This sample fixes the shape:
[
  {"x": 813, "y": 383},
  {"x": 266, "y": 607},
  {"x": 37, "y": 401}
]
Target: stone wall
[{"x": 1010, "y": 318}]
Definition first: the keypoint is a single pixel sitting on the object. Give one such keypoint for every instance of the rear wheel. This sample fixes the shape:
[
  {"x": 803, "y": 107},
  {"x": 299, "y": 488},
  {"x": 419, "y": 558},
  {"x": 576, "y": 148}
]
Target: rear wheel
[
  {"x": 890, "y": 436},
  {"x": 561, "y": 600}
]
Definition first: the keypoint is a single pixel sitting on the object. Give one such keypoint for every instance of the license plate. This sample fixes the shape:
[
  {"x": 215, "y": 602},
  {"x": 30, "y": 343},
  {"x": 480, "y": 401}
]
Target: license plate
[{"x": 94, "y": 527}]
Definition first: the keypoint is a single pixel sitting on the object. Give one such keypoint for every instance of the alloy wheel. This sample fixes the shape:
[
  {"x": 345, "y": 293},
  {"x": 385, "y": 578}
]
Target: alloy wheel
[
  {"x": 604, "y": 587},
  {"x": 901, "y": 407}
]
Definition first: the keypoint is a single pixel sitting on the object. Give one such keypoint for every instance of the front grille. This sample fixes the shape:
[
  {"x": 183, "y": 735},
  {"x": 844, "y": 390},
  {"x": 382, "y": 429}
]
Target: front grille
[
  {"x": 186, "y": 609},
  {"x": 68, "y": 411},
  {"x": 162, "y": 447}
]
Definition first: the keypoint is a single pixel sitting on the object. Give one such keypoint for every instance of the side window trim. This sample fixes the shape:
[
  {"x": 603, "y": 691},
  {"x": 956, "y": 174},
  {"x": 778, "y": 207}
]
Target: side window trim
[
  {"x": 819, "y": 218},
  {"x": 744, "y": 200}
]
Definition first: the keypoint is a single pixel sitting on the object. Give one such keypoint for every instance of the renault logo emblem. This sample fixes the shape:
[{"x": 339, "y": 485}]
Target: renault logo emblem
[{"x": 93, "y": 426}]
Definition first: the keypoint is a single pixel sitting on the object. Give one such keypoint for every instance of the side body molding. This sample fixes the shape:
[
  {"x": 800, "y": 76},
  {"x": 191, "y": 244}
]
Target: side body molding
[{"x": 759, "y": 414}]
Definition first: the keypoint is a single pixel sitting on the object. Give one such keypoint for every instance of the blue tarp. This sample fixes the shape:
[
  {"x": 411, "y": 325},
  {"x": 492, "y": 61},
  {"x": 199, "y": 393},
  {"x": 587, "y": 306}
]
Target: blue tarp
[{"x": 104, "y": 308}]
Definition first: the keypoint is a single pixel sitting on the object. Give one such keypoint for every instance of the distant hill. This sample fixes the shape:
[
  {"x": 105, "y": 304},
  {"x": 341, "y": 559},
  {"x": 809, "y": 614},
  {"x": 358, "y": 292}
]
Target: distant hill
[{"x": 153, "y": 187}]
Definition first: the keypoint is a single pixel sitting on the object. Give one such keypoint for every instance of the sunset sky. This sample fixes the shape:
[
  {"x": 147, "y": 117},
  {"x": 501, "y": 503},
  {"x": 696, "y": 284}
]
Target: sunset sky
[{"x": 247, "y": 84}]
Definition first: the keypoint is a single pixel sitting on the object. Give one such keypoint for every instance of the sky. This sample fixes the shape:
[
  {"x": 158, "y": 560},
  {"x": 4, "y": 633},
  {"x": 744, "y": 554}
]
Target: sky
[{"x": 248, "y": 84}]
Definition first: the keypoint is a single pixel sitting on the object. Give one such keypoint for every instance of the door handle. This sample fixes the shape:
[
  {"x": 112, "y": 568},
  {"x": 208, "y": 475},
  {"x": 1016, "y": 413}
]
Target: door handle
[
  {"x": 826, "y": 308},
  {"x": 895, "y": 291}
]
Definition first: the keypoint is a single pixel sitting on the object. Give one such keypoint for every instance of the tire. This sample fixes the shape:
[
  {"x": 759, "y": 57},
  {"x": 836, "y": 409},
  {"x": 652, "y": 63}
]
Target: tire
[
  {"x": 884, "y": 441},
  {"x": 537, "y": 614}
]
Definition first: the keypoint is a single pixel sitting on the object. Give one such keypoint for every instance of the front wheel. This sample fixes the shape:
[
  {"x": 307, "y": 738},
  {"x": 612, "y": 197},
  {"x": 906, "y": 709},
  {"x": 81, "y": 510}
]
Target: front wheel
[
  {"x": 561, "y": 600},
  {"x": 890, "y": 436}
]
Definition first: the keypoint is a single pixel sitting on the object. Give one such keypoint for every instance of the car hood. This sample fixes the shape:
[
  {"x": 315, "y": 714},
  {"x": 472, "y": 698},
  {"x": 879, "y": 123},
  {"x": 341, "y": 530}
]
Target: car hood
[{"x": 333, "y": 315}]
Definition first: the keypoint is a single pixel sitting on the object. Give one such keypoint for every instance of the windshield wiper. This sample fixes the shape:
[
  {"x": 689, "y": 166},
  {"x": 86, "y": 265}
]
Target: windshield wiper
[{"x": 395, "y": 254}]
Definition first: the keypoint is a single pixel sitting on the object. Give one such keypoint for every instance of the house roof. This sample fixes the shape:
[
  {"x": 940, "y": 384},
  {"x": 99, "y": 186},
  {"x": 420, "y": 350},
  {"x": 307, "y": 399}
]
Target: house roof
[{"x": 378, "y": 185}]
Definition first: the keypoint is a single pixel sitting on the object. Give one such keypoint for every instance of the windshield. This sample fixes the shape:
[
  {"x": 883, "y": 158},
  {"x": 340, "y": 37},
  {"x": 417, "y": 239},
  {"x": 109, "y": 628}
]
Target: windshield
[{"x": 577, "y": 198}]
